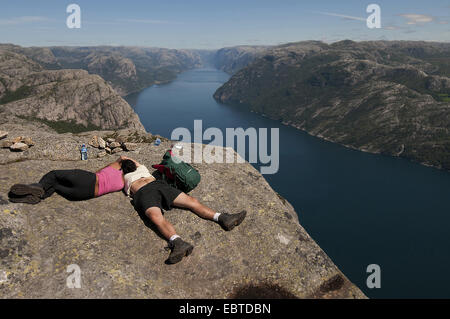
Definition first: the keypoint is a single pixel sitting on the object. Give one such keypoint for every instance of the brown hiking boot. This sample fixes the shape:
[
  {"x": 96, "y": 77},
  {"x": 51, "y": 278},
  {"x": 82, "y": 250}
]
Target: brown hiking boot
[
  {"x": 26, "y": 199},
  {"x": 180, "y": 248},
  {"x": 229, "y": 221},
  {"x": 27, "y": 189}
]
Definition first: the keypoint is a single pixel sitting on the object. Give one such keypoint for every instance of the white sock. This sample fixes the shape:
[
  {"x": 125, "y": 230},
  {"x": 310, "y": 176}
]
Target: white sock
[
  {"x": 173, "y": 237},
  {"x": 216, "y": 217}
]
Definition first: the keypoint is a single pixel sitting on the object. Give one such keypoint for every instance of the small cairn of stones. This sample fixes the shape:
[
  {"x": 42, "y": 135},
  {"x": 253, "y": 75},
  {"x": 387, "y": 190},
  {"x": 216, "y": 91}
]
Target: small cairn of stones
[
  {"x": 111, "y": 145},
  {"x": 18, "y": 144}
]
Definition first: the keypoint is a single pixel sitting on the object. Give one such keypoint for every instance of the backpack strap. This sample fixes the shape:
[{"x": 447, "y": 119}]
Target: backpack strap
[{"x": 165, "y": 171}]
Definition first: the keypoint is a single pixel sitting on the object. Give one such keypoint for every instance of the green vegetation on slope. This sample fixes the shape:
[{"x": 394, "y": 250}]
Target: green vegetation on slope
[
  {"x": 64, "y": 126},
  {"x": 19, "y": 94}
]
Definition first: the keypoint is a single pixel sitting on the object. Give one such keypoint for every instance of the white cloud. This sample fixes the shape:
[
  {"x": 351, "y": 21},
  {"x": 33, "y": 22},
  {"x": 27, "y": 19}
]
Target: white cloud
[
  {"x": 22, "y": 20},
  {"x": 413, "y": 18},
  {"x": 342, "y": 16}
]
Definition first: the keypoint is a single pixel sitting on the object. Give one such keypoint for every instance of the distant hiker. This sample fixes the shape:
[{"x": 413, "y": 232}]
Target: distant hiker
[
  {"x": 151, "y": 195},
  {"x": 73, "y": 184}
]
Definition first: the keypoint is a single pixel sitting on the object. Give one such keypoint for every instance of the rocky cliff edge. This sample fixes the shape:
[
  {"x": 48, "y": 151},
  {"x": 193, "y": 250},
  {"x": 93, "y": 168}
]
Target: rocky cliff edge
[{"x": 121, "y": 256}]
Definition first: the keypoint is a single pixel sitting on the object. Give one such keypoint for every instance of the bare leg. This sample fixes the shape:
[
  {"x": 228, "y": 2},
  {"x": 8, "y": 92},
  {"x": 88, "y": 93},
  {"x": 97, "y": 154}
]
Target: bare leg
[
  {"x": 164, "y": 227},
  {"x": 185, "y": 201}
]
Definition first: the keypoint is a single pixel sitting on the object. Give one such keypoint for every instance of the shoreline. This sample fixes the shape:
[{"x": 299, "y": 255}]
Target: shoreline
[{"x": 321, "y": 137}]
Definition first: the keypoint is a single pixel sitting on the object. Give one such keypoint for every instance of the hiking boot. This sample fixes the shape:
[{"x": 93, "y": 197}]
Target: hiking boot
[
  {"x": 28, "y": 189},
  {"x": 27, "y": 199},
  {"x": 229, "y": 221},
  {"x": 180, "y": 248}
]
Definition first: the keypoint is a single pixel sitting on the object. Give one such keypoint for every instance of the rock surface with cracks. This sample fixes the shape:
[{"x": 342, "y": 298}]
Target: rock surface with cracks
[{"x": 121, "y": 256}]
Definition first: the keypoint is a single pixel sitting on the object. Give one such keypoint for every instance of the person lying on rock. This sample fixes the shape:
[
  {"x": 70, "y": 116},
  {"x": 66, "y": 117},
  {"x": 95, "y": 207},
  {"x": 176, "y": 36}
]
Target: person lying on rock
[
  {"x": 151, "y": 195},
  {"x": 73, "y": 184}
]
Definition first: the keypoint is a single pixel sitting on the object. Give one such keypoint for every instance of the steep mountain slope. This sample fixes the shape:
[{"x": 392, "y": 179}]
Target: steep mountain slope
[
  {"x": 381, "y": 97},
  {"x": 73, "y": 98},
  {"x": 232, "y": 59}
]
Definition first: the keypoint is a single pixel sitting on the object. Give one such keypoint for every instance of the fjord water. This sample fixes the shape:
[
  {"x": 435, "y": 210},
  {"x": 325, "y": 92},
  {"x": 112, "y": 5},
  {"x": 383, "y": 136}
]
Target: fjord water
[{"x": 360, "y": 208}]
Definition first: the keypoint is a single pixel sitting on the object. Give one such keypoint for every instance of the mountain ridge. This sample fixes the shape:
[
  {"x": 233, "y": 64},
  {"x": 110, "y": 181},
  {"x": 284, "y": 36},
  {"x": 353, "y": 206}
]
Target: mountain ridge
[
  {"x": 381, "y": 97},
  {"x": 126, "y": 69}
]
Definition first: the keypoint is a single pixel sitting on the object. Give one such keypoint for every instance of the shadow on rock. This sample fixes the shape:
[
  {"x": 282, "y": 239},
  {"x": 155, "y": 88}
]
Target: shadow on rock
[{"x": 261, "y": 291}]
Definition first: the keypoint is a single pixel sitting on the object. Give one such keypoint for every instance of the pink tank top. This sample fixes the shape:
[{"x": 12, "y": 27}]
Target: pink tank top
[{"x": 109, "y": 180}]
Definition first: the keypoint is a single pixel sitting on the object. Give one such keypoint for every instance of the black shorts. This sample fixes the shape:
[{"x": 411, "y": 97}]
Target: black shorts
[{"x": 155, "y": 194}]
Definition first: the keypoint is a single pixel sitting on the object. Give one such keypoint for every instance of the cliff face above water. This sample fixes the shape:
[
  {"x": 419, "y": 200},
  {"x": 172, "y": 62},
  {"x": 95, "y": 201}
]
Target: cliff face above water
[
  {"x": 381, "y": 97},
  {"x": 121, "y": 256},
  {"x": 69, "y": 99}
]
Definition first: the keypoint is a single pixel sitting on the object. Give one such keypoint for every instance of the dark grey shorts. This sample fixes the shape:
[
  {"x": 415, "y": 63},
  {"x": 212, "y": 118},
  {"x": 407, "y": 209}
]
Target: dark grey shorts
[{"x": 155, "y": 194}]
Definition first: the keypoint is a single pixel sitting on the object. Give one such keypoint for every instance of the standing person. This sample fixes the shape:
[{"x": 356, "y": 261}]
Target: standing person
[
  {"x": 73, "y": 184},
  {"x": 150, "y": 196}
]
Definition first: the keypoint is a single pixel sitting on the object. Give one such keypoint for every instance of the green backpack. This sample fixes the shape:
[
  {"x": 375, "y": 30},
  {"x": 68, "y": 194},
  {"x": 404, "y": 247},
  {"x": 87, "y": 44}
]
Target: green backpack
[{"x": 177, "y": 173}]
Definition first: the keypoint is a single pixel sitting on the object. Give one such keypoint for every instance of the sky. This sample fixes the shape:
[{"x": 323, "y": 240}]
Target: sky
[{"x": 211, "y": 24}]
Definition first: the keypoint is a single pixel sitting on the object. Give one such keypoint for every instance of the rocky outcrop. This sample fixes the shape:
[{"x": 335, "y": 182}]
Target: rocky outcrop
[
  {"x": 381, "y": 97},
  {"x": 18, "y": 144},
  {"x": 70, "y": 100},
  {"x": 119, "y": 253}
]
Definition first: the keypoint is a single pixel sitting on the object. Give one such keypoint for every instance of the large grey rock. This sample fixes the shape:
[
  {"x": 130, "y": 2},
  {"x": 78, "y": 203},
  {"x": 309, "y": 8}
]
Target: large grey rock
[
  {"x": 94, "y": 141},
  {"x": 101, "y": 143},
  {"x": 18, "y": 147},
  {"x": 27, "y": 140},
  {"x": 113, "y": 145},
  {"x": 121, "y": 256}
]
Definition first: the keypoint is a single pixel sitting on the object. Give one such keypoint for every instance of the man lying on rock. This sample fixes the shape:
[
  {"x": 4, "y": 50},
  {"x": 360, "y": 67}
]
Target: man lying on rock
[{"x": 150, "y": 196}]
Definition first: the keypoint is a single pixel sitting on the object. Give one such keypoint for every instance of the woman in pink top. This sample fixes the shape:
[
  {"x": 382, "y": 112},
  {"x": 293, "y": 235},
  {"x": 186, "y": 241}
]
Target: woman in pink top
[
  {"x": 73, "y": 184},
  {"x": 109, "y": 179}
]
